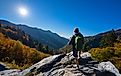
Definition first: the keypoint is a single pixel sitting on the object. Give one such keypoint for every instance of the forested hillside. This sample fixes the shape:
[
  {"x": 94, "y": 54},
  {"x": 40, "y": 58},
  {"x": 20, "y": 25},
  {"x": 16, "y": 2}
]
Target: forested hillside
[
  {"x": 17, "y": 34},
  {"x": 17, "y": 54},
  {"x": 110, "y": 49},
  {"x": 102, "y": 40}
]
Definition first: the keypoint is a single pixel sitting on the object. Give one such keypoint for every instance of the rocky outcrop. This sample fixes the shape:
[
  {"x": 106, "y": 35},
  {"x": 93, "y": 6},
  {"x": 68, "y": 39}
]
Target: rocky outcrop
[
  {"x": 3, "y": 67},
  {"x": 64, "y": 65}
]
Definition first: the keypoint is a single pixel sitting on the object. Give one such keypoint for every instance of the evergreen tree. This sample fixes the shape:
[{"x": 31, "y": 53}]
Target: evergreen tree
[
  {"x": 40, "y": 47},
  {"x": 46, "y": 49},
  {"x": 108, "y": 39},
  {"x": 85, "y": 47}
]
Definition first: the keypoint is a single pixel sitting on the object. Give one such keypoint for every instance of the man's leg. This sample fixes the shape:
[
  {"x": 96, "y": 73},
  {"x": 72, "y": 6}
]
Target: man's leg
[
  {"x": 75, "y": 54},
  {"x": 77, "y": 62},
  {"x": 79, "y": 53},
  {"x": 77, "y": 59}
]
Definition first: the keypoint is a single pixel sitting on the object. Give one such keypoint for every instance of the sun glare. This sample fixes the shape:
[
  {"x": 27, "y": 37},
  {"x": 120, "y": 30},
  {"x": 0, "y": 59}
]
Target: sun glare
[{"x": 23, "y": 11}]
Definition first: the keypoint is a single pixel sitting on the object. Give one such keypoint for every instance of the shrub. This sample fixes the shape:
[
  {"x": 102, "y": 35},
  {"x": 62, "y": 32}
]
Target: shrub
[{"x": 112, "y": 54}]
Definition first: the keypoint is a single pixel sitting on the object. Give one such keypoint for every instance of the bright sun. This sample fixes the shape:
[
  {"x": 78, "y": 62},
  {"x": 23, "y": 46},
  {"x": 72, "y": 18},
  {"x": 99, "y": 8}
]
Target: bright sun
[{"x": 23, "y": 11}]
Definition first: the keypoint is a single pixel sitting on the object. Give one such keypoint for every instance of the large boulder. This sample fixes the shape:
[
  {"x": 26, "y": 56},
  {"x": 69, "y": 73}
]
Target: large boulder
[
  {"x": 108, "y": 66},
  {"x": 64, "y": 65}
]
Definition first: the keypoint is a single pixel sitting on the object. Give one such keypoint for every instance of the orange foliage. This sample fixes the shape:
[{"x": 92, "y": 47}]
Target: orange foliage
[{"x": 11, "y": 50}]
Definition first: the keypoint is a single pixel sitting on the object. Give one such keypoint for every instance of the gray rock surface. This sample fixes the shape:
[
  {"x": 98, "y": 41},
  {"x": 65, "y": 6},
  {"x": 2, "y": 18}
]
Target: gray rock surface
[
  {"x": 3, "y": 66},
  {"x": 64, "y": 65}
]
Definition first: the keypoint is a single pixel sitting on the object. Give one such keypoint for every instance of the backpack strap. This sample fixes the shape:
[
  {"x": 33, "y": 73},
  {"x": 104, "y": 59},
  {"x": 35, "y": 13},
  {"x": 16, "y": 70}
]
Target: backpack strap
[{"x": 76, "y": 39}]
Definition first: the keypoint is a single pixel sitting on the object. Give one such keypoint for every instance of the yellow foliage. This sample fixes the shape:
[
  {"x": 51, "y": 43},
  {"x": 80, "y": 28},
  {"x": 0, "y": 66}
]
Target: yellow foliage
[
  {"x": 112, "y": 54},
  {"x": 15, "y": 52}
]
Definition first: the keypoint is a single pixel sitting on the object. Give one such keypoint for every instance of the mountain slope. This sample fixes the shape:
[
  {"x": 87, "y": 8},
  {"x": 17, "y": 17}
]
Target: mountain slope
[
  {"x": 95, "y": 41},
  {"x": 17, "y": 54},
  {"x": 46, "y": 37},
  {"x": 17, "y": 34},
  {"x": 53, "y": 40}
]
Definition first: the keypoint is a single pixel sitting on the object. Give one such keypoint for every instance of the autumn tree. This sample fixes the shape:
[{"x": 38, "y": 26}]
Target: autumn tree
[{"x": 15, "y": 52}]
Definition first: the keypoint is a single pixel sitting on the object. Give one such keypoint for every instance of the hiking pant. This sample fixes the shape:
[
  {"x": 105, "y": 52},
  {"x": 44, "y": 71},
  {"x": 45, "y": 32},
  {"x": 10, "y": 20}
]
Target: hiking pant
[{"x": 75, "y": 53}]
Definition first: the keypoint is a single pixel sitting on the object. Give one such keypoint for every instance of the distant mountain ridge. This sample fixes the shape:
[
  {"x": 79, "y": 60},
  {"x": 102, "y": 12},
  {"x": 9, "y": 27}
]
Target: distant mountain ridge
[
  {"x": 53, "y": 40},
  {"x": 94, "y": 41}
]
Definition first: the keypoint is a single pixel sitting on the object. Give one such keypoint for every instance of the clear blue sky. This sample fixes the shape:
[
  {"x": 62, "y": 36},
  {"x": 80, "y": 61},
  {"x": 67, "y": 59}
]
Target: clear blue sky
[{"x": 61, "y": 16}]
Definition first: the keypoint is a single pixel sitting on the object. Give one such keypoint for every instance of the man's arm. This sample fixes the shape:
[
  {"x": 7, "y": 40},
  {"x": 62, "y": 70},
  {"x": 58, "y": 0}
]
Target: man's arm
[{"x": 72, "y": 40}]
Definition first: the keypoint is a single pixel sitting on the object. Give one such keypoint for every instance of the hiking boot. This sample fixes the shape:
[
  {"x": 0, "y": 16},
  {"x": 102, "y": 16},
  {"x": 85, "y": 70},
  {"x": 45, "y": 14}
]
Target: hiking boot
[{"x": 78, "y": 66}]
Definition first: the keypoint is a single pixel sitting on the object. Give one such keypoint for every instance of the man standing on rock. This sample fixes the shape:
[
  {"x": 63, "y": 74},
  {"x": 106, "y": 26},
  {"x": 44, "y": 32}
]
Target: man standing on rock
[{"x": 77, "y": 42}]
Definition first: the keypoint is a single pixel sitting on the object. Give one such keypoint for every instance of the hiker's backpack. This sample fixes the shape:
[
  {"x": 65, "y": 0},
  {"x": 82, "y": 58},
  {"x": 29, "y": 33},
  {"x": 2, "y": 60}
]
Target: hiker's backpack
[{"x": 79, "y": 41}]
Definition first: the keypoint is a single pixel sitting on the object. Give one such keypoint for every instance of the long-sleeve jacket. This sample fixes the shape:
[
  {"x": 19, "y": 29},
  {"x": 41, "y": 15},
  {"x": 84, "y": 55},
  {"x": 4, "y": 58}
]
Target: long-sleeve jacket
[{"x": 72, "y": 41}]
